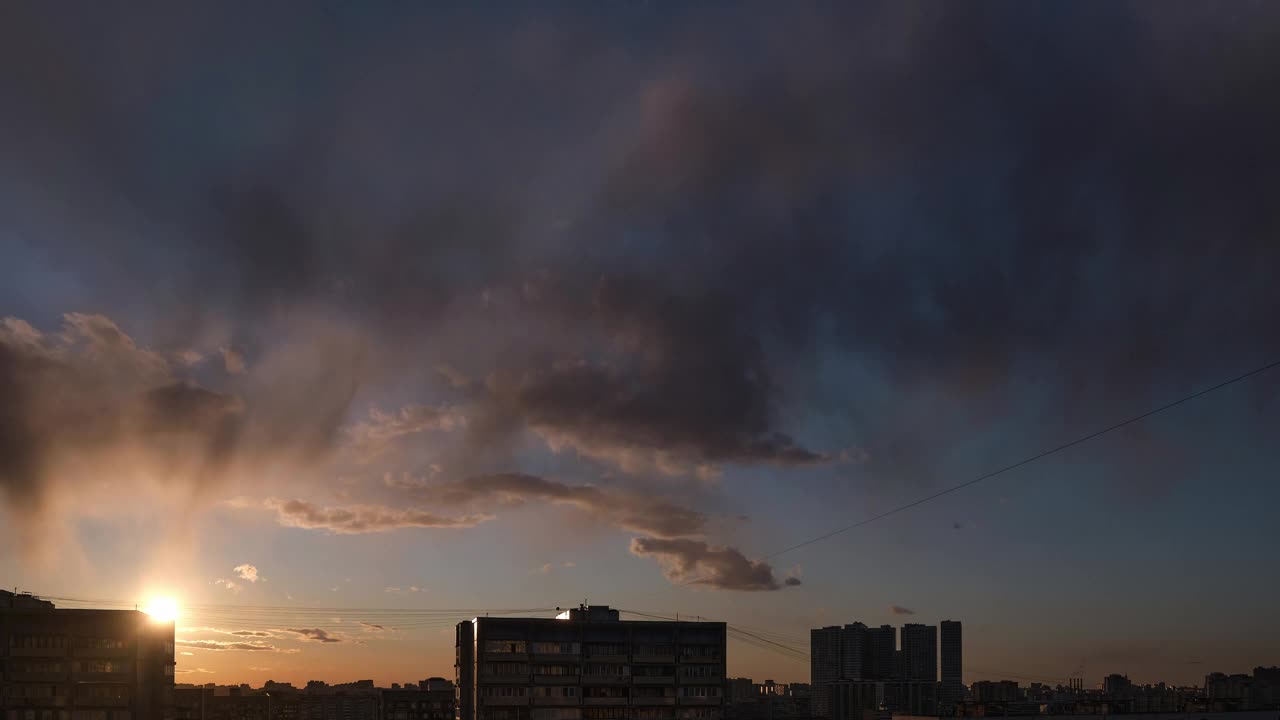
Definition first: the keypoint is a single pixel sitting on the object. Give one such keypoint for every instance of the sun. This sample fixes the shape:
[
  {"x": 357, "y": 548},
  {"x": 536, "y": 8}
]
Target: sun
[{"x": 162, "y": 609}]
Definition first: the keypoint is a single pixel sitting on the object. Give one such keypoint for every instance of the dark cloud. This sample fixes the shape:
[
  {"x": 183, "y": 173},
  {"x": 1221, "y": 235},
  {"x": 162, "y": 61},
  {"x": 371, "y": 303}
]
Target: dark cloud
[
  {"x": 641, "y": 513},
  {"x": 722, "y": 568},
  {"x": 660, "y": 254},
  {"x": 315, "y": 635},
  {"x": 899, "y": 610},
  {"x": 372, "y": 627},
  {"x": 251, "y": 633},
  {"x": 685, "y": 386},
  {"x": 89, "y": 390},
  {"x": 359, "y": 519}
]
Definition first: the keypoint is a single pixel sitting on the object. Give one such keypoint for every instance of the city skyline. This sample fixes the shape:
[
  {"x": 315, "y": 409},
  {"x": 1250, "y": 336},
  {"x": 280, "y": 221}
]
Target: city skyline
[{"x": 329, "y": 324}]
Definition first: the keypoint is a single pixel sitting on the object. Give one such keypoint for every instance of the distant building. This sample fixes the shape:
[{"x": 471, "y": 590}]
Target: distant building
[
  {"x": 741, "y": 690},
  {"x": 826, "y": 664},
  {"x": 881, "y": 646},
  {"x": 65, "y": 664},
  {"x": 919, "y": 652},
  {"x": 318, "y": 701},
  {"x": 587, "y": 664},
  {"x": 799, "y": 690},
  {"x": 997, "y": 691},
  {"x": 1260, "y": 691},
  {"x": 853, "y": 699},
  {"x": 1117, "y": 686},
  {"x": 855, "y": 652},
  {"x": 952, "y": 689},
  {"x": 432, "y": 699}
]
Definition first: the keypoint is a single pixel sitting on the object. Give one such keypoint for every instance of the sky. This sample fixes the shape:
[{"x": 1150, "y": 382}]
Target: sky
[{"x": 480, "y": 307}]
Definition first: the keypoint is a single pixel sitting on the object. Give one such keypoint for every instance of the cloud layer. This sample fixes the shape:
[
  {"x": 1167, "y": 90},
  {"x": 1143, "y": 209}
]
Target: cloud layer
[
  {"x": 646, "y": 514},
  {"x": 694, "y": 562},
  {"x": 630, "y": 265},
  {"x": 359, "y": 519}
]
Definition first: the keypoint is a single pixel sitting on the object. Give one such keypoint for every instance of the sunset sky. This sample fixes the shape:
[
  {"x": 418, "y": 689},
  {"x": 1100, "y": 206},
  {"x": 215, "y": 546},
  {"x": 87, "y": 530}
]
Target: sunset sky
[{"x": 391, "y": 305}]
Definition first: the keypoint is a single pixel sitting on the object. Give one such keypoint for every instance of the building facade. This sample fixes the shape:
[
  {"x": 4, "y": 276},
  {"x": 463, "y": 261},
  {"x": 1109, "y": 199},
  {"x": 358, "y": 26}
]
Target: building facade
[
  {"x": 919, "y": 652},
  {"x": 951, "y": 690},
  {"x": 882, "y": 643},
  {"x": 432, "y": 699},
  {"x": 587, "y": 664},
  {"x": 853, "y": 699},
  {"x": 224, "y": 703},
  {"x": 826, "y": 663},
  {"x": 855, "y": 650},
  {"x": 63, "y": 664}
]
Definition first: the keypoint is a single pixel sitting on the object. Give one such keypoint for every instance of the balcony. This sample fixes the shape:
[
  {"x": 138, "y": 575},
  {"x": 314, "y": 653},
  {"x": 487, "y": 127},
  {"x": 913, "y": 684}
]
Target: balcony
[
  {"x": 557, "y": 657},
  {"x": 497, "y": 700},
  {"x": 714, "y": 679},
  {"x": 654, "y": 659},
  {"x": 555, "y": 700},
  {"x": 57, "y": 701},
  {"x": 122, "y": 675},
  {"x": 495, "y": 679},
  {"x": 652, "y": 680},
  {"x": 555, "y": 679},
  {"x": 123, "y": 654},
  {"x": 37, "y": 652},
  {"x": 606, "y": 679},
  {"x": 506, "y": 657},
  {"x": 690, "y": 701},
  {"x": 38, "y": 676},
  {"x": 653, "y": 700},
  {"x": 613, "y": 701},
  {"x": 619, "y": 659}
]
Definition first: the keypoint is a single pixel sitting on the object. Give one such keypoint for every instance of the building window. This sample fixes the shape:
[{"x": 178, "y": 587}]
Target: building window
[
  {"x": 699, "y": 671},
  {"x": 503, "y": 691},
  {"x": 505, "y": 646},
  {"x": 655, "y": 650},
  {"x": 101, "y": 643},
  {"x": 34, "y": 691},
  {"x": 700, "y": 651},
  {"x": 36, "y": 666},
  {"x": 654, "y": 671},
  {"x": 99, "y": 693},
  {"x": 604, "y": 692},
  {"x": 700, "y": 691},
  {"x": 599, "y": 670},
  {"x": 606, "y": 649},
  {"x": 38, "y": 642},
  {"x": 505, "y": 714},
  {"x": 556, "y": 648},
  {"x": 699, "y": 713},
  {"x": 555, "y": 691},
  {"x": 654, "y": 713},
  {"x": 557, "y": 670},
  {"x": 506, "y": 668},
  {"x": 641, "y": 691},
  {"x": 604, "y": 713},
  {"x": 103, "y": 666},
  {"x": 556, "y": 714}
]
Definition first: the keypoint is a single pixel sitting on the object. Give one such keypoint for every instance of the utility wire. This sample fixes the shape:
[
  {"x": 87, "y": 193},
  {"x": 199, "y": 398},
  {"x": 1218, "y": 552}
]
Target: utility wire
[{"x": 1027, "y": 461}]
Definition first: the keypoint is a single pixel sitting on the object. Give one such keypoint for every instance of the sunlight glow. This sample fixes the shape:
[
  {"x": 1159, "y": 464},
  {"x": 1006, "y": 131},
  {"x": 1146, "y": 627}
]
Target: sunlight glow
[{"x": 162, "y": 609}]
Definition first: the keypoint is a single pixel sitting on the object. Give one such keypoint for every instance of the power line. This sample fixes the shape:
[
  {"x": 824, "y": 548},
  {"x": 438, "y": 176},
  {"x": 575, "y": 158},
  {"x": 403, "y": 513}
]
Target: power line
[{"x": 1027, "y": 461}]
